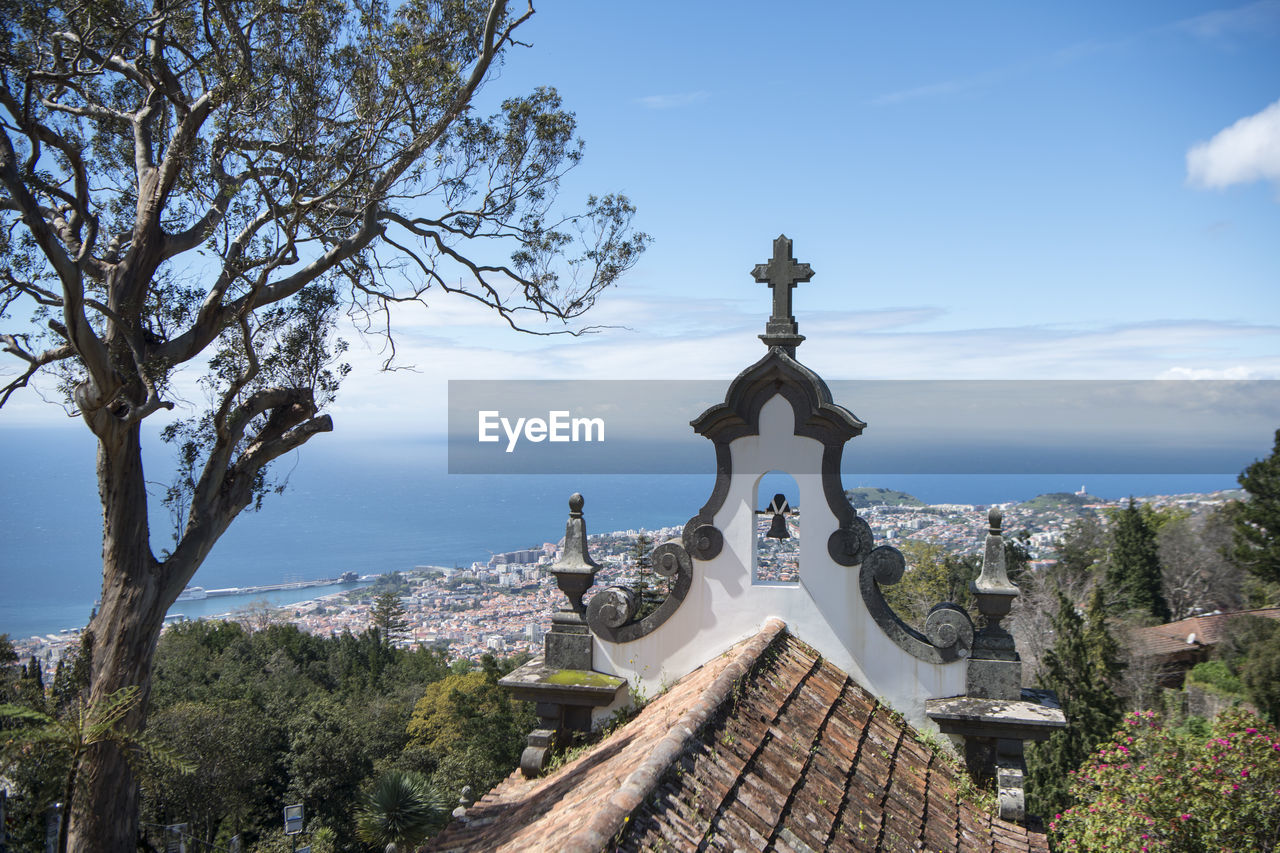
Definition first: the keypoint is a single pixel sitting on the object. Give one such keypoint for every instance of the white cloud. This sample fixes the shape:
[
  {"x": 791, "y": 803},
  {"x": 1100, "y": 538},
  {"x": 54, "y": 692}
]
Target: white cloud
[
  {"x": 1239, "y": 371},
  {"x": 1247, "y": 151},
  {"x": 667, "y": 102}
]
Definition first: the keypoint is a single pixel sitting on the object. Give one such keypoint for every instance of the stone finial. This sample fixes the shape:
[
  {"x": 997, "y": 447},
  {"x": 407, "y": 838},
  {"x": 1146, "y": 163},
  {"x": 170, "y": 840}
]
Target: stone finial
[
  {"x": 575, "y": 571},
  {"x": 994, "y": 577},
  {"x": 782, "y": 274},
  {"x": 568, "y": 644},
  {"x": 465, "y": 801},
  {"x": 994, "y": 671}
]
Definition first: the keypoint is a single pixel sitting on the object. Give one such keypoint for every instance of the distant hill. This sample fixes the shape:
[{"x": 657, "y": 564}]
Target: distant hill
[
  {"x": 871, "y": 496},
  {"x": 1060, "y": 505},
  {"x": 1059, "y": 500}
]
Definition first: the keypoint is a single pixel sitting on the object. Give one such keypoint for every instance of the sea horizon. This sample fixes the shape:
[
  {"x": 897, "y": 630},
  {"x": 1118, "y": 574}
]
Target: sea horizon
[{"x": 362, "y": 508}]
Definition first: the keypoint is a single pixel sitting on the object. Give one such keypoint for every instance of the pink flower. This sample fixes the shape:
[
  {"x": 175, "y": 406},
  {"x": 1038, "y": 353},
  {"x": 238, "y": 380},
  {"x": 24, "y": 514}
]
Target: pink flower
[{"x": 1184, "y": 816}]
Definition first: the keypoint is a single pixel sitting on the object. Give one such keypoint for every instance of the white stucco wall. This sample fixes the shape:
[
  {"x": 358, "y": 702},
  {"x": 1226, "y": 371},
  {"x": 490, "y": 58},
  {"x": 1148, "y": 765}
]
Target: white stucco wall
[{"x": 824, "y": 610}]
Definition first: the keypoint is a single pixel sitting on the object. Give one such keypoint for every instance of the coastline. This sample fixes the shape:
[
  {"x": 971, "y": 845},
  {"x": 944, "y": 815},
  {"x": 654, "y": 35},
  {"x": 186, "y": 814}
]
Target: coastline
[{"x": 956, "y": 527}]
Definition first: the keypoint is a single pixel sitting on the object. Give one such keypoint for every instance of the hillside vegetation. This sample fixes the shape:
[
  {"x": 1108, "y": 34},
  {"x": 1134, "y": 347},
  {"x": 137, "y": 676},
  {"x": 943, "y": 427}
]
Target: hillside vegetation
[{"x": 866, "y": 496}]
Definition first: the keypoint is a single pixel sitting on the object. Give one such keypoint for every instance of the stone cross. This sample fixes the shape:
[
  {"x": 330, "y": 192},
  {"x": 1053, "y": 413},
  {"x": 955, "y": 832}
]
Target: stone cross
[{"x": 782, "y": 273}]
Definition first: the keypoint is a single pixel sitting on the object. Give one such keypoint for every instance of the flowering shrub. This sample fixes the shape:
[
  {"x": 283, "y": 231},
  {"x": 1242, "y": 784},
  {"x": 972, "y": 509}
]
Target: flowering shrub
[{"x": 1154, "y": 789}]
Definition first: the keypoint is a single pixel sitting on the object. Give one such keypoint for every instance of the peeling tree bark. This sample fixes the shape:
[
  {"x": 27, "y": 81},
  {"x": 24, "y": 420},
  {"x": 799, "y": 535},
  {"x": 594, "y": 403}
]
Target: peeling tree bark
[{"x": 125, "y": 629}]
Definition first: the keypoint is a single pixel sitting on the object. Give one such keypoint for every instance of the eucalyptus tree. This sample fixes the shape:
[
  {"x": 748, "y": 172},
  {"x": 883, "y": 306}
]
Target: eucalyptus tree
[{"x": 192, "y": 192}]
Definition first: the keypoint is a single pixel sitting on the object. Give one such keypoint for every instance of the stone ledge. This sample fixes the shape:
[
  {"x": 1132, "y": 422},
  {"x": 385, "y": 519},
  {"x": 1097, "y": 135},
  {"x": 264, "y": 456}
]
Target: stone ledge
[
  {"x": 537, "y": 682},
  {"x": 1035, "y": 717}
]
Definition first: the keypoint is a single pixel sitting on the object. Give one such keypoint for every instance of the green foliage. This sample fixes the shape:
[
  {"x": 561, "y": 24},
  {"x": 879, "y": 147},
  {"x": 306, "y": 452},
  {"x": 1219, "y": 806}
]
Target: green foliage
[
  {"x": 933, "y": 575},
  {"x": 391, "y": 582},
  {"x": 72, "y": 734},
  {"x": 1261, "y": 676},
  {"x": 34, "y": 777},
  {"x": 1216, "y": 675},
  {"x": 236, "y": 751},
  {"x": 1133, "y": 567},
  {"x": 327, "y": 761},
  {"x": 1251, "y": 648},
  {"x": 1257, "y": 520},
  {"x": 1151, "y": 788},
  {"x": 466, "y": 730},
  {"x": 402, "y": 809},
  {"x": 923, "y": 583},
  {"x": 321, "y": 840},
  {"x": 1083, "y": 546},
  {"x": 8, "y": 657},
  {"x": 277, "y": 715},
  {"x": 1082, "y": 669}
]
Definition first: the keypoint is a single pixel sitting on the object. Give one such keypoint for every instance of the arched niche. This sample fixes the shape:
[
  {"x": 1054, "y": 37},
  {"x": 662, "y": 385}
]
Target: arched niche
[{"x": 776, "y": 558}]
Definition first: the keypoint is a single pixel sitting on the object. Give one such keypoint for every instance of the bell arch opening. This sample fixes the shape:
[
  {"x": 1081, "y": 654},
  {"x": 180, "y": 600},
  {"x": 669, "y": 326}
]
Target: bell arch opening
[{"x": 776, "y": 545}]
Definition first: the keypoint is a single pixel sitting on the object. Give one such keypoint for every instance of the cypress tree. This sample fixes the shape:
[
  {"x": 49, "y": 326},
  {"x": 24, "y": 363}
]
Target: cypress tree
[
  {"x": 1133, "y": 571},
  {"x": 1257, "y": 520},
  {"x": 1081, "y": 668}
]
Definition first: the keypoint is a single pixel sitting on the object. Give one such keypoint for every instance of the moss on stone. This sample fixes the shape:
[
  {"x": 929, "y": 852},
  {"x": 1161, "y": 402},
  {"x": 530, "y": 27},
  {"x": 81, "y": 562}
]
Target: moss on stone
[{"x": 581, "y": 678}]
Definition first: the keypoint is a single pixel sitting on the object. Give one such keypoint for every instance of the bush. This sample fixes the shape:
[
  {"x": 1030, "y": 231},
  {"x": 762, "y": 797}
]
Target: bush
[
  {"x": 1218, "y": 676},
  {"x": 1151, "y": 788}
]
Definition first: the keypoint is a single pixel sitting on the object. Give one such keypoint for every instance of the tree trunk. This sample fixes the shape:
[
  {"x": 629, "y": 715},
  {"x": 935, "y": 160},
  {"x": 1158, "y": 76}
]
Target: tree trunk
[{"x": 135, "y": 597}]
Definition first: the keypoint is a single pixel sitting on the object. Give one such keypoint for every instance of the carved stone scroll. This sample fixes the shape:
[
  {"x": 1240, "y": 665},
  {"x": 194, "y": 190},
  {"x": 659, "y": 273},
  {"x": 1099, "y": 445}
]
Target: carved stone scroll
[
  {"x": 704, "y": 541},
  {"x": 611, "y": 612},
  {"x": 851, "y": 544},
  {"x": 613, "y": 607},
  {"x": 948, "y": 633}
]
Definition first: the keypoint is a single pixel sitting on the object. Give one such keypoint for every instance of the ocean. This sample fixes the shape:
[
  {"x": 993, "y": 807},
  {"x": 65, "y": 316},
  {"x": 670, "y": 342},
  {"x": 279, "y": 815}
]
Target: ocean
[{"x": 377, "y": 507}]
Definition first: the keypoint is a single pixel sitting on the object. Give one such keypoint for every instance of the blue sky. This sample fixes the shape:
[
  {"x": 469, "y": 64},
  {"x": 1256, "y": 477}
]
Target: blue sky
[{"x": 985, "y": 190}]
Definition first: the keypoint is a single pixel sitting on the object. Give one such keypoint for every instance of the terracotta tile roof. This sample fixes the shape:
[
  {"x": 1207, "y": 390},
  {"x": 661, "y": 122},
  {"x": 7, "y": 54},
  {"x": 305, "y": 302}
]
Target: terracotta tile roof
[
  {"x": 768, "y": 747},
  {"x": 1171, "y": 638}
]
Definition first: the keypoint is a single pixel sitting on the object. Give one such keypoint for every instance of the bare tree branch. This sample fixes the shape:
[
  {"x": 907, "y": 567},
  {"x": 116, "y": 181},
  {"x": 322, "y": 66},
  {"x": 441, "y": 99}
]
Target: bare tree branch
[{"x": 14, "y": 346}]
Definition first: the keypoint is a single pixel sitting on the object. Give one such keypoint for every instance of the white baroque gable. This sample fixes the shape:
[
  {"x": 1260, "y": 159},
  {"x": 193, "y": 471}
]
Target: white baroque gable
[{"x": 724, "y": 603}]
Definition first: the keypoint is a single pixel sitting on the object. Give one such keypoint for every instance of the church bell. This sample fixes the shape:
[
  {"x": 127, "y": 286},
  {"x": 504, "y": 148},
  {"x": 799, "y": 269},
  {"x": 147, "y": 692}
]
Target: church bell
[{"x": 778, "y": 528}]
